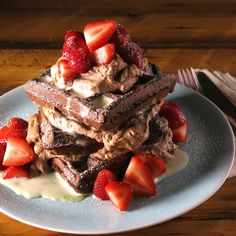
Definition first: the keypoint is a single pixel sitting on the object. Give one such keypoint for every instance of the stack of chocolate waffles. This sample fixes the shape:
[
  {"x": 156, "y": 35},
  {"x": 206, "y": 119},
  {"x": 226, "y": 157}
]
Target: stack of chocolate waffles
[{"x": 78, "y": 135}]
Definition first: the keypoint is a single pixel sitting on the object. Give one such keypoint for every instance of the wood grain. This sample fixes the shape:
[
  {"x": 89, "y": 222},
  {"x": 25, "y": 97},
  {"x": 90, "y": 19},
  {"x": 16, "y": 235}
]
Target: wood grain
[
  {"x": 175, "y": 34},
  {"x": 155, "y": 24}
]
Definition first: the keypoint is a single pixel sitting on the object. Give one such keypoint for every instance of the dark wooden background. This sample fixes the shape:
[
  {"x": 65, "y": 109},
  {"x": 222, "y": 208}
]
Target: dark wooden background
[
  {"x": 152, "y": 24},
  {"x": 175, "y": 34}
]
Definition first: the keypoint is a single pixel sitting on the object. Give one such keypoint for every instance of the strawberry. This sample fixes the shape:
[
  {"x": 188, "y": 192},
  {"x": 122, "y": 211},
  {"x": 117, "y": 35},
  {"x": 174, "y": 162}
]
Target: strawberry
[
  {"x": 6, "y": 132},
  {"x": 139, "y": 177},
  {"x": 72, "y": 33},
  {"x": 103, "y": 178},
  {"x": 18, "y": 152},
  {"x": 156, "y": 166},
  {"x": 69, "y": 46},
  {"x": 79, "y": 61},
  {"x": 176, "y": 121},
  {"x": 2, "y": 152},
  {"x": 74, "y": 40},
  {"x": 131, "y": 53},
  {"x": 120, "y": 194},
  {"x": 121, "y": 36},
  {"x": 17, "y": 123},
  {"x": 64, "y": 70},
  {"x": 97, "y": 34},
  {"x": 180, "y": 134},
  {"x": 172, "y": 104},
  {"x": 15, "y": 171},
  {"x": 104, "y": 55}
]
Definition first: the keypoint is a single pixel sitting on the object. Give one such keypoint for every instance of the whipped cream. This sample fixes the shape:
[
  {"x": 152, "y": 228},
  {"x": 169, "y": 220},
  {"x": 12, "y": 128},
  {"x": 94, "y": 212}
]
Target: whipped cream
[{"x": 115, "y": 76}]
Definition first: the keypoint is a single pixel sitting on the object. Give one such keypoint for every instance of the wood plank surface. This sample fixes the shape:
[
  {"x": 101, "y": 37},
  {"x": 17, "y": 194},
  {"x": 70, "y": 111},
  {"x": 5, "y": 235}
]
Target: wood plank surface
[
  {"x": 152, "y": 24},
  {"x": 175, "y": 34}
]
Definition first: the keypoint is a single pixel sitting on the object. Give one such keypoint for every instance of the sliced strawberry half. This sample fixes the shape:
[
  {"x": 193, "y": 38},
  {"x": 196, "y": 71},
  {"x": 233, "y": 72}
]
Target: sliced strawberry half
[
  {"x": 120, "y": 194},
  {"x": 131, "y": 53},
  {"x": 97, "y": 34},
  {"x": 156, "y": 166},
  {"x": 180, "y": 134},
  {"x": 15, "y": 171},
  {"x": 6, "y": 132},
  {"x": 104, "y": 55},
  {"x": 2, "y": 152},
  {"x": 64, "y": 71},
  {"x": 18, "y": 152},
  {"x": 176, "y": 121},
  {"x": 17, "y": 123},
  {"x": 139, "y": 177},
  {"x": 104, "y": 177}
]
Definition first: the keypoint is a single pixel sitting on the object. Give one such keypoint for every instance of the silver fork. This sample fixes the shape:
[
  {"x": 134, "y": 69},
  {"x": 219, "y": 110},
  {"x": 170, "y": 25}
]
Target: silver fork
[
  {"x": 224, "y": 82},
  {"x": 188, "y": 78}
]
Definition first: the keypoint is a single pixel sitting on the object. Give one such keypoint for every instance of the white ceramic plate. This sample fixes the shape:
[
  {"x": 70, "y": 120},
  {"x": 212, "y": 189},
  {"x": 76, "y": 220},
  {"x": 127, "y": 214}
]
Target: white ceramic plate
[{"x": 210, "y": 148}]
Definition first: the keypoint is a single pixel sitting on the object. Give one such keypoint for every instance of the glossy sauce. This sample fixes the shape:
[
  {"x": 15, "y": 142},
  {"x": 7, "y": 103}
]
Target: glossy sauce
[
  {"x": 51, "y": 186},
  {"x": 54, "y": 187},
  {"x": 176, "y": 164}
]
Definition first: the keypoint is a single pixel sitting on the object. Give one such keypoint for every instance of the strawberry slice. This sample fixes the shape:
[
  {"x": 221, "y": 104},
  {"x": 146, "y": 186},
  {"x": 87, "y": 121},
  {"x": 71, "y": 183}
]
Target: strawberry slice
[
  {"x": 131, "y": 53},
  {"x": 180, "y": 134},
  {"x": 139, "y": 177},
  {"x": 97, "y": 34},
  {"x": 79, "y": 61},
  {"x": 120, "y": 194},
  {"x": 103, "y": 55},
  {"x": 156, "y": 166},
  {"x": 121, "y": 36},
  {"x": 18, "y": 152},
  {"x": 15, "y": 171},
  {"x": 2, "y": 152},
  {"x": 104, "y": 177},
  {"x": 17, "y": 123},
  {"x": 64, "y": 71},
  {"x": 6, "y": 132},
  {"x": 176, "y": 120}
]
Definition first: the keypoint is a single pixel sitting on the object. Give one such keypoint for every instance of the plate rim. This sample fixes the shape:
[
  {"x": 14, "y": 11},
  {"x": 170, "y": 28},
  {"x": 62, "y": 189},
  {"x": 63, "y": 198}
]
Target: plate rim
[{"x": 38, "y": 225}]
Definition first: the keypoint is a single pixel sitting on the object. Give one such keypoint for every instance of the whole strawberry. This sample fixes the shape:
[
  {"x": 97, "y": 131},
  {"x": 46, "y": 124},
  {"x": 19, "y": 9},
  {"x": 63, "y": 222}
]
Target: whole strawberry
[
  {"x": 73, "y": 40},
  {"x": 104, "y": 177},
  {"x": 121, "y": 36},
  {"x": 17, "y": 123},
  {"x": 131, "y": 53},
  {"x": 79, "y": 61}
]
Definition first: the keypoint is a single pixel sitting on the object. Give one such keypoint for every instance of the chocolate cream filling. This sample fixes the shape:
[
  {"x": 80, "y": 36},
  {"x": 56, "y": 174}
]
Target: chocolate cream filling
[
  {"x": 144, "y": 132},
  {"x": 115, "y": 76}
]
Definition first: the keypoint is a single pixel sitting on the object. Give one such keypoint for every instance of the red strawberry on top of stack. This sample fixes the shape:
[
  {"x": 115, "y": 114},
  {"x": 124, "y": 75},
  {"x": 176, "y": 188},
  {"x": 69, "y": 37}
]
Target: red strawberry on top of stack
[
  {"x": 96, "y": 46},
  {"x": 15, "y": 152}
]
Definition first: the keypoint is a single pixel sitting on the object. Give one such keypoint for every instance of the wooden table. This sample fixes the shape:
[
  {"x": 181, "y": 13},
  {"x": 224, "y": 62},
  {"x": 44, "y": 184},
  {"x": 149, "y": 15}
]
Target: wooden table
[{"x": 174, "y": 34}]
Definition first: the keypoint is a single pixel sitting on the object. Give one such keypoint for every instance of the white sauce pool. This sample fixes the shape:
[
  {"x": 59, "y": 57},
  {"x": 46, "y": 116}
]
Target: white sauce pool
[
  {"x": 51, "y": 186},
  {"x": 176, "y": 164},
  {"x": 54, "y": 187}
]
